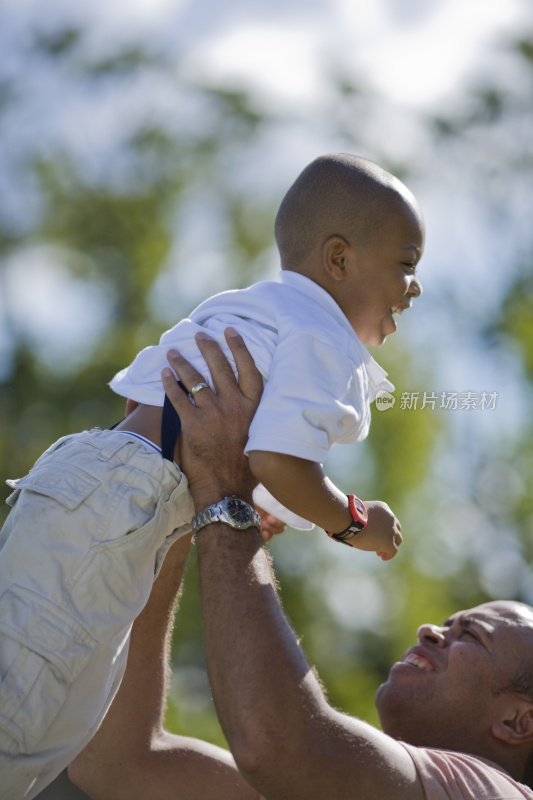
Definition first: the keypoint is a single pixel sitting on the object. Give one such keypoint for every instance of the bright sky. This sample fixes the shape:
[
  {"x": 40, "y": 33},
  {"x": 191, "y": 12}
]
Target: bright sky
[
  {"x": 414, "y": 50},
  {"x": 417, "y": 54}
]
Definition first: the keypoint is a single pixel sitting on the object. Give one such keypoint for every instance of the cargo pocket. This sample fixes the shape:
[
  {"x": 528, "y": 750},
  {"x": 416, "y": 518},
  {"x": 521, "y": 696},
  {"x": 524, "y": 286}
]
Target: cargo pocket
[
  {"x": 115, "y": 580},
  {"x": 43, "y": 649},
  {"x": 68, "y": 484}
]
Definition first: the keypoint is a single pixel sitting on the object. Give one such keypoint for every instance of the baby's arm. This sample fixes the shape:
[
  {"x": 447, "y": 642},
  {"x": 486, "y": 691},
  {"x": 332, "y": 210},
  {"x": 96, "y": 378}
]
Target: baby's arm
[{"x": 301, "y": 486}]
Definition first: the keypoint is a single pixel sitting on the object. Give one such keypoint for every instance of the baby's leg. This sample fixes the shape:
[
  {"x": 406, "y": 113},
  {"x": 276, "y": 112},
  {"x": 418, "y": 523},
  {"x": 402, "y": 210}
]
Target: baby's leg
[{"x": 80, "y": 549}]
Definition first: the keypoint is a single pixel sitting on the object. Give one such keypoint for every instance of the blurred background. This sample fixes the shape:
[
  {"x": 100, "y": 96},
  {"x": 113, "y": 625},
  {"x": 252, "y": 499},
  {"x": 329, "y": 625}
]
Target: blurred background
[{"x": 144, "y": 149}]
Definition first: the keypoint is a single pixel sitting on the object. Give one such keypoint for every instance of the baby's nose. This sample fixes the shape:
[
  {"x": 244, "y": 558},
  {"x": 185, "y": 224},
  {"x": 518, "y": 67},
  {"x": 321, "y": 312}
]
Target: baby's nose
[{"x": 415, "y": 289}]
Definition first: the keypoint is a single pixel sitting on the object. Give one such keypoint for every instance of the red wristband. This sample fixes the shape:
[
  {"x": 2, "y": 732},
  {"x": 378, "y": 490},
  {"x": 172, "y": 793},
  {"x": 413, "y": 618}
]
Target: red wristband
[
  {"x": 357, "y": 510},
  {"x": 359, "y": 516}
]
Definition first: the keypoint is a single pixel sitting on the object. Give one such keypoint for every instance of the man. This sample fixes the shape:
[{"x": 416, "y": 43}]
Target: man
[{"x": 465, "y": 688}]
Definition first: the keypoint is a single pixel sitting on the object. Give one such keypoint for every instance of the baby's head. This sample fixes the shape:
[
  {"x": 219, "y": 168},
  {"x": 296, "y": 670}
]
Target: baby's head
[{"x": 357, "y": 231}]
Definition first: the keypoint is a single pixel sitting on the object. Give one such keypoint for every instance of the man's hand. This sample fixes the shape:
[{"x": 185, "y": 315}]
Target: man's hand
[
  {"x": 382, "y": 533},
  {"x": 215, "y": 426}
]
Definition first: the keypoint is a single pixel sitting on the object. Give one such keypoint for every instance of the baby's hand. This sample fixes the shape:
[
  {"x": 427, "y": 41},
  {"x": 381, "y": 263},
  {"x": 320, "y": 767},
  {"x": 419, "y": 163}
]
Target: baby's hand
[
  {"x": 382, "y": 533},
  {"x": 270, "y": 525}
]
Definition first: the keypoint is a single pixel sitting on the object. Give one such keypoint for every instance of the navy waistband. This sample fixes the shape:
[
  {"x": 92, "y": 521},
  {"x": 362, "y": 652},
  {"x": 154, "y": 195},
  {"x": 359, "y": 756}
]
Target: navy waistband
[
  {"x": 170, "y": 426},
  {"x": 170, "y": 429}
]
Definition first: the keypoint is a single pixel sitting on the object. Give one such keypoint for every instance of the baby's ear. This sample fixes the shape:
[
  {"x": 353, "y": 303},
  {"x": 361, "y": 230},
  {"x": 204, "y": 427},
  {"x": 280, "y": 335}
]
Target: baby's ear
[
  {"x": 334, "y": 252},
  {"x": 515, "y": 723}
]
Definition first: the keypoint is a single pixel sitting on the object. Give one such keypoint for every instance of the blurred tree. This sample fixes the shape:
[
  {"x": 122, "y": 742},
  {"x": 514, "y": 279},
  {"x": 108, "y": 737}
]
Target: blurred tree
[{"x": 168, "y": 203}]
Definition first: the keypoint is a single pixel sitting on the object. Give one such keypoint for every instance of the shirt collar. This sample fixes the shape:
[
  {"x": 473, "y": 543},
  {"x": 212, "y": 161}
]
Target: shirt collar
[
  {"x": 316, "y": 292},
  {"x": 377, "y": 377}
]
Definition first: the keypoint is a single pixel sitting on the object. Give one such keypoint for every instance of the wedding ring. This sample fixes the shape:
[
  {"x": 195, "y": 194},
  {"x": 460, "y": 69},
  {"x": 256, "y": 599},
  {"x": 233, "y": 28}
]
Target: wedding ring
[{"x": 198, "y": 388}]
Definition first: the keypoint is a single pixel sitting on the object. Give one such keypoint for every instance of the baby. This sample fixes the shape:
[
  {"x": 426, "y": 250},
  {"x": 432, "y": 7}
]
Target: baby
[{"x": 349, "y": 236}]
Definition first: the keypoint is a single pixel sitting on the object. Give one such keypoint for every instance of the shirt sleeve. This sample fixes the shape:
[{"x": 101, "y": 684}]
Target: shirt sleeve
[
  {"x": 314, "y": 397},
  {"x": 447, "y": 775}
]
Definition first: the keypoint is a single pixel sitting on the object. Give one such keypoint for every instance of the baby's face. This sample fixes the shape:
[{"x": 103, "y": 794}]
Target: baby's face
[{"x": 381, "y": 280}]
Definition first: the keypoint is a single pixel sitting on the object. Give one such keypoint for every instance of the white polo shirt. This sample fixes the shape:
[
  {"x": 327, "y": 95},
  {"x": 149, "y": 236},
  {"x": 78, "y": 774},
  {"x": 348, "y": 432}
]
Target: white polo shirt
[{"x": 319, "y": 378}]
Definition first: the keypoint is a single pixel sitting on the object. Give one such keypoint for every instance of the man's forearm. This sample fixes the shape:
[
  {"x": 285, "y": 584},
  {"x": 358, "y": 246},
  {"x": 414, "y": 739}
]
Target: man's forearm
[
  {"x": 132, "y": 756},
  {"x": 286, "y": 739},
  {"x": 265, "y": 692},
  {"x": 130, "y": 724}
]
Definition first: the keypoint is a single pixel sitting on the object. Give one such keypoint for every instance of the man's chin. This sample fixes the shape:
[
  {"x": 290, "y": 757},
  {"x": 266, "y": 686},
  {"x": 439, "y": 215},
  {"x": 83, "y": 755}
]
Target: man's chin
[
  {"x": 393, "y": 723},
  {"x": 380, "y": 701},
  {"x": 394, "y": 710}
]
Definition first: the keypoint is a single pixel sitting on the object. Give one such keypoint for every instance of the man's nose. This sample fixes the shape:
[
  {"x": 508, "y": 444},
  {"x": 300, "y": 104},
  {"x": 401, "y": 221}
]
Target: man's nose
[{"x": 431, "y": 633}]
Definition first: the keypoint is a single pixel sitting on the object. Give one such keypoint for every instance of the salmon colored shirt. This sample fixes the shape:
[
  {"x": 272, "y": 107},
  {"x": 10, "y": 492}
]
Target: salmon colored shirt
[{"x": 446, "y": 775}]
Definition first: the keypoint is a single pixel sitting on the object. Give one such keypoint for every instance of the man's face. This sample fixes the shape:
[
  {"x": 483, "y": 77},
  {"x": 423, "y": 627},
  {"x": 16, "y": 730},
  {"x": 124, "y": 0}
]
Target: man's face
[{"x": 444, "y": 691}]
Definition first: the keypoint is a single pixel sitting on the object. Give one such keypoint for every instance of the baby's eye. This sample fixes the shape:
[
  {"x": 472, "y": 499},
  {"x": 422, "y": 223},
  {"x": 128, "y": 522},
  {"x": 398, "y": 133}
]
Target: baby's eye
[{"x": 410, "y": 267}]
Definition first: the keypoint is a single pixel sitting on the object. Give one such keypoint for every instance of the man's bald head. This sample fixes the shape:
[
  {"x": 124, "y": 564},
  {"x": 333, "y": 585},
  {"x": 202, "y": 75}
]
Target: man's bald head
[
  {"x": 339, "y": 194},
  {"x": 518, "y": 618}
]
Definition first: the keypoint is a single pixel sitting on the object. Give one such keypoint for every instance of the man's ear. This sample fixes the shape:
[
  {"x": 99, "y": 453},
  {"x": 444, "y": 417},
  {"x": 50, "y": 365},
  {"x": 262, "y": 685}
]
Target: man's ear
[
  {"x": 515, "y": 723},
  {"x": 131, "y": 405},
  {"x": 334, "y": 254}
]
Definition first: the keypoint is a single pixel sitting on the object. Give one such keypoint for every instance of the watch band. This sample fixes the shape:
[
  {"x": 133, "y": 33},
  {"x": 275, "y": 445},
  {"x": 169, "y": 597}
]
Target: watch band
[
  {"x": 232, "y": 511},
  {"x": 359, "y": 519}
]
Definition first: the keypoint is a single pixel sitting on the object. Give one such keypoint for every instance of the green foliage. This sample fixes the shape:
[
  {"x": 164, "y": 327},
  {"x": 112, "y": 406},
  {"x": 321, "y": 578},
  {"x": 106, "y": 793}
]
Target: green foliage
[
  {"x": 525, "y": 48},
  {"x": 516, "y": 319},
  {"x": 57, "y": 43},
  {"x": 122, "y": 63},
  {"x": 118, "y": 230},
  {"x": 512, "y": 462}
]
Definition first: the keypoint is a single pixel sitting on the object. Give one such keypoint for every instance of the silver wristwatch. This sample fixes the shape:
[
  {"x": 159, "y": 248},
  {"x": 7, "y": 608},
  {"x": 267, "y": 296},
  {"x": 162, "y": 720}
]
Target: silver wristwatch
[{"x": 232, "y": 511}]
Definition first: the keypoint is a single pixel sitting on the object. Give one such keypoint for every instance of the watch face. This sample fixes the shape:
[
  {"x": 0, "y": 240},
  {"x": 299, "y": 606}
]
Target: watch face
[
  {"x": 357, "y": 510},
  {"x": 232, "y": 511},
  {"x": 238, "y": 510},
  {"x": 359, "y": 505}
]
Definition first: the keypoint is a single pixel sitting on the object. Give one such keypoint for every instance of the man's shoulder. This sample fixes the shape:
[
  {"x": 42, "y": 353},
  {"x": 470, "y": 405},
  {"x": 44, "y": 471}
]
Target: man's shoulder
[{"x": 449, "y": 775}]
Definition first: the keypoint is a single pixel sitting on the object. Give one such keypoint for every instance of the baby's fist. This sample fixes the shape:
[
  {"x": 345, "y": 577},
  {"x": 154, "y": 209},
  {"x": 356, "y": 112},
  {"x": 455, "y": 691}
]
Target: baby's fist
[
  {"x": 382, "y": 533},
  {"x": 270, "y": 525}
]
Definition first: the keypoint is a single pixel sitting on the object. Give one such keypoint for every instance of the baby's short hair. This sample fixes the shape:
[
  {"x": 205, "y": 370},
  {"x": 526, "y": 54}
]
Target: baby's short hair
[{"x": 335, "y": 194}]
